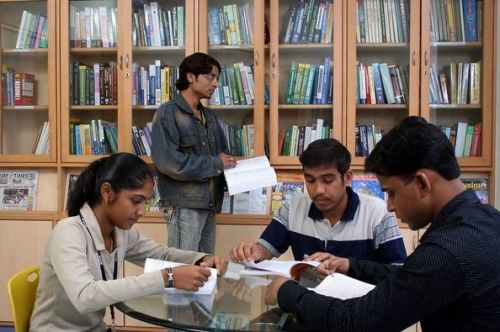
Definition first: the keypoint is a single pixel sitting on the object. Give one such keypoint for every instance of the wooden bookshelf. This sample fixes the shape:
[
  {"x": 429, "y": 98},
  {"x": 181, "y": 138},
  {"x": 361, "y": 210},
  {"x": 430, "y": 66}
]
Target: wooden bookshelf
[{"x": 270, "y": 57}]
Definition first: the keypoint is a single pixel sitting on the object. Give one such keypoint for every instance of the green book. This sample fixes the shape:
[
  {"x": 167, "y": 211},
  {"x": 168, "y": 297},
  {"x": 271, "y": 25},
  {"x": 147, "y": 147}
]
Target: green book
[
  {"x": 239, "y": 84},
  {"x": 292, "y": 76},
  {"x": 298, "y": 84}
]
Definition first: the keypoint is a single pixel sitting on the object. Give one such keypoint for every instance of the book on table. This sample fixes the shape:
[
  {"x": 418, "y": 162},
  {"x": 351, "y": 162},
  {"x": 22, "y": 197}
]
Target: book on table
[
  {"x": 277, "y": 267},
  {"x": 335, "y": 285}
]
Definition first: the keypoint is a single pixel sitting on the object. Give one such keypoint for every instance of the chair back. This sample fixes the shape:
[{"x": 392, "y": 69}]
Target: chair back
[{"x": 22, "y": 293}]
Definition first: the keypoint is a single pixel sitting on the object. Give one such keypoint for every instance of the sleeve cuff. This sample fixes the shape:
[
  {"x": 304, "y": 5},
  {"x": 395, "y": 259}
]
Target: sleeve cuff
[{"x": 289, "y": 296}]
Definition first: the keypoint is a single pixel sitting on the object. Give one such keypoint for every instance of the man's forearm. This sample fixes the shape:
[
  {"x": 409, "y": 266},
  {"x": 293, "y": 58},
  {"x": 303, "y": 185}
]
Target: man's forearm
[{"x": 369, "y": 271}]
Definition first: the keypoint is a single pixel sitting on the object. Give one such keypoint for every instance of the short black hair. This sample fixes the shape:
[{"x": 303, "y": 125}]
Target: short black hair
[
  {"x": 196, "y": 63},
  {"x": 412, "y": 145},
  {"x": 326, "y": 152}
]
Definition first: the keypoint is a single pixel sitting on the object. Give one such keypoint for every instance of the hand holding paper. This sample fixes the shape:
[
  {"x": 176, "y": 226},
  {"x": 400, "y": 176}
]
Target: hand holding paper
[
  {"x": 207, "y": 288},
  {"x": 250, "y": 174}
]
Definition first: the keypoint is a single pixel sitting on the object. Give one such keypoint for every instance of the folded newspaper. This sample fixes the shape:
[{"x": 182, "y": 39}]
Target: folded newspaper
[{"x": 18, "y": 189}]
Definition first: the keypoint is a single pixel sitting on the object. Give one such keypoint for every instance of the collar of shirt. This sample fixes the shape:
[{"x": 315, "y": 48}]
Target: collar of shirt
[
  {"x": 183, "y": 104},
  {"x": 466, "y": 198},
  {"x": 95, "y": 229},
  {"x": 348, "y": 215}
]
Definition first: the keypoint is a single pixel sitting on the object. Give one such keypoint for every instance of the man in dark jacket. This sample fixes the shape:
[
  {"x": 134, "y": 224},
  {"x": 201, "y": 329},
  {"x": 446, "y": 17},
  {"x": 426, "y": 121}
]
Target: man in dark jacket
[
  {"x": 451, "y": 282},
  {"x": 189, "y": 151}
]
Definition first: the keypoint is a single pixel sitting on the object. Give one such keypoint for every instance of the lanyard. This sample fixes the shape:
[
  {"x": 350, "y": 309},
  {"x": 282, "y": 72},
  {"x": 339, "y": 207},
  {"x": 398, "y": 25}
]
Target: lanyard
[{"x": 103, "y": 271}]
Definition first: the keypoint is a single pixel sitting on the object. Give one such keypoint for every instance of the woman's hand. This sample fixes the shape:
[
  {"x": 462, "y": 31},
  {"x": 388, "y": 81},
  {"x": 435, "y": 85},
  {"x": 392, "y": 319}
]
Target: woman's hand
[
  {"x": 190, "y": 277},
  {"x": 215, "y": 262}
]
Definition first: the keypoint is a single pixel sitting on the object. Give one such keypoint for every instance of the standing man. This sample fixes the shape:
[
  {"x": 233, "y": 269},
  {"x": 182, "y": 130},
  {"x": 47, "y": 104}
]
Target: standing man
[
  {"x": 331, "y": 219},
  {"x": 451, "y": 282},
  {"x": 190, "y": 153}
]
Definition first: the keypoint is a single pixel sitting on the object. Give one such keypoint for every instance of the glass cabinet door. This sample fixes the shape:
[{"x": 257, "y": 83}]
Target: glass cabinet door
[
  {"x": 162, "y": 35},
  {"x": 305, "y": 74},
  {"x": 28, "y": 85},
  {"x": 457, "y": 62},
  {"x": 89, "y": 81},
  {"x": 382, "y": 69},
  {"x": 234, "y": 33}
]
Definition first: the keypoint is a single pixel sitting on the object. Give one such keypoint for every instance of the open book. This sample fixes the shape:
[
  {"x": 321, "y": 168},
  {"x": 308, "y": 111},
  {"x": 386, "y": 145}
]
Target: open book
[
  {"x": 156, "y": 264},
  {"x": 342, "y": 287},
  {"x": 249, "y": 174},
  {"x": 275, "y": 267}
]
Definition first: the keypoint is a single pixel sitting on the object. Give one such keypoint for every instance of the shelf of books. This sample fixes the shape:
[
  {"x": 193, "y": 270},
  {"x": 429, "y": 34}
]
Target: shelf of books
[
  {"x": 89, "y": 80},
  {"x": 28, "y": 90},
  {"x": 305, "y": 76},
  {"x": 382, "y": 70},
  {"x": 235, "y": 33},
  {"x": 457, "y": 48},
  {"x": 161, "y": 38}
]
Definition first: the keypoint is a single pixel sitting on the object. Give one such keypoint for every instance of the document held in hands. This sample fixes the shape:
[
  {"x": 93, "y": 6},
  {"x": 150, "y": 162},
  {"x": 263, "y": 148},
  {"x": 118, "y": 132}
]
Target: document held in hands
[
  {"x": 342, "y": 287},
  {"x": 250, "y": 174},
  {"x": 276, "y": 267},
  {"x": 156, "y": 264}
]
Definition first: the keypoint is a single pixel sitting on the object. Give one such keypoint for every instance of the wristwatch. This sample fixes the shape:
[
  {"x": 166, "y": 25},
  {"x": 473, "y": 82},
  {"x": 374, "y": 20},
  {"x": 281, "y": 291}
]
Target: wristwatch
[{"x": 170, "y": 277}]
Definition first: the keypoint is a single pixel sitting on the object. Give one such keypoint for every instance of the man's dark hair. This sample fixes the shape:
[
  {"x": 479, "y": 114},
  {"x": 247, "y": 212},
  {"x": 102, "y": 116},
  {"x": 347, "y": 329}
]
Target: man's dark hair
[
  {"x": 326, "y": 152},
  {"x": 196, "y": 63},
  {"x": 412, "y": 145}
]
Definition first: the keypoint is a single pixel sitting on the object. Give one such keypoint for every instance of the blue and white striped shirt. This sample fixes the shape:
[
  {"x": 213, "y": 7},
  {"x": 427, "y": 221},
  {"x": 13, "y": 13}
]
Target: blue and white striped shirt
[{"x": 366, "y": 230}]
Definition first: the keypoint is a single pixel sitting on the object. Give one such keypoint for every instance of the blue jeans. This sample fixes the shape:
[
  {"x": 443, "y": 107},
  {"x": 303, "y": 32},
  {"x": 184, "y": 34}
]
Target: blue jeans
[{"x": 192, "y": 229}]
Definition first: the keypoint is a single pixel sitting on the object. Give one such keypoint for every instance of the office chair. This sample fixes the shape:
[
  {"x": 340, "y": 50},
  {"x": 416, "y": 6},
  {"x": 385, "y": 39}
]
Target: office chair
[{"x": 22, "y": 293}]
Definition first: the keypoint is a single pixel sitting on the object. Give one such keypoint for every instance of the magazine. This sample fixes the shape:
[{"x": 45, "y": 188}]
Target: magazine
[
  {"x": 153, "y": 204},
  {"x": 290, "y": 183},
  {"x": 18, "y": 189},
  {"x": 70, "y": 185},
  {"x": 480, "y": 187},
  {"x": 367, "y": 184},
  {"x": 252, "y": 202}
]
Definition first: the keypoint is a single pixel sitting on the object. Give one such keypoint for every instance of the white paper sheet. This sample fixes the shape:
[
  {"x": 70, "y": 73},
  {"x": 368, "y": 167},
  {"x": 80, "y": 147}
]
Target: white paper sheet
[{"x": 342, "y": 287}]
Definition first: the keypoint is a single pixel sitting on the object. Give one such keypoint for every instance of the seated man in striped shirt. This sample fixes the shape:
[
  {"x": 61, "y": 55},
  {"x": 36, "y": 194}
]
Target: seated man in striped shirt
[{"x": 331, "y": 219}]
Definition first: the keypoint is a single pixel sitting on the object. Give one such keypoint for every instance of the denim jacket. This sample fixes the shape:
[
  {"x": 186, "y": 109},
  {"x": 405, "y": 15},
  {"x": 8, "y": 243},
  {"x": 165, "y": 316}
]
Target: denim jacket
[{"x": 185, "y": 153}]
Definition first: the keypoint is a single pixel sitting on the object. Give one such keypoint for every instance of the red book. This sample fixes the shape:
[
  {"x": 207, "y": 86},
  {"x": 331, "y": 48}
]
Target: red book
[
  {"x": 476, "y": 141},
  {"x": 24, "y": 89}
]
